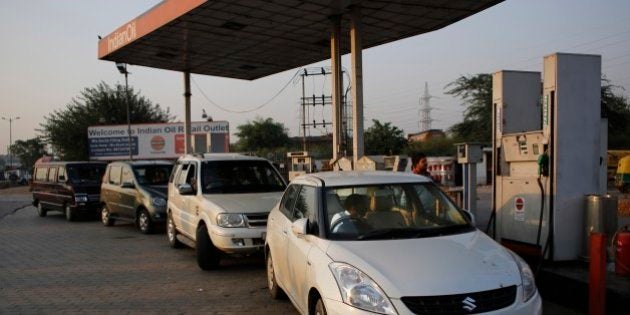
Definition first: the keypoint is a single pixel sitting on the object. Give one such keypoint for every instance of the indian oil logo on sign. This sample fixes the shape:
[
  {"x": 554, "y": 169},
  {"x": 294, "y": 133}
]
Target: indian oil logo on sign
[
  {"x": 157, "y": 143},
  {"x": 519, "y": 208}
]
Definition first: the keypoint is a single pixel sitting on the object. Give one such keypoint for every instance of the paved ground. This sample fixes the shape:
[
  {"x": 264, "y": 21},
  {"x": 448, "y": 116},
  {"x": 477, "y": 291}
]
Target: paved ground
[{"x": 49, "y": 265}]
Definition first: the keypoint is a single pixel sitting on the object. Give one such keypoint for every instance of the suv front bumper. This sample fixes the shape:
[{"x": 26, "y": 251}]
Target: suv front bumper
[{"x": 238, "y": 240}]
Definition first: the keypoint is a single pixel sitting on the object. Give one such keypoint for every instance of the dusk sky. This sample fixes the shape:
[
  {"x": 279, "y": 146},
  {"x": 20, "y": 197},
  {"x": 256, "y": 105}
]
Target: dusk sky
[{"x": 49, "y": 55}]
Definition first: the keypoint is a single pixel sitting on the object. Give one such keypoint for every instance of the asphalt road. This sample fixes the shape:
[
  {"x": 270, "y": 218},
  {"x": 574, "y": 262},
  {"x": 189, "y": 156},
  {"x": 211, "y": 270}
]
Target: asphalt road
[{"x": 49, "y": 265}]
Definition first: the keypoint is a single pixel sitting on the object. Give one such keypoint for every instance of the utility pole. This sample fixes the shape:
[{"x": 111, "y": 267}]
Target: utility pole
[
  {"x": 425, "y": 109},
  {"x": 122, "y": 67},
  {"x": 10, "y": 120}
]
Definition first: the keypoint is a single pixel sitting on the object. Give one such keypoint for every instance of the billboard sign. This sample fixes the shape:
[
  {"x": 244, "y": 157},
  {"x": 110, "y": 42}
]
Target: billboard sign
[{"x": 156, "y": 141}]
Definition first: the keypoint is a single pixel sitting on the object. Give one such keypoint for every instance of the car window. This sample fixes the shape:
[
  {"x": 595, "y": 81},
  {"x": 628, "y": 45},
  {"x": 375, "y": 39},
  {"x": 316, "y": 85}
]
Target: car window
[
  {"x": 152, "y": 174},
  {"x": 127, "y": 176},
  {"x": 191, "y": 176},
  {"x": 52, "y": 175},
  {"x": 305, "y": 204},
  {"x": 114, "y": 175},
  {"x": 288, "y": 200},
  {"x": 180, "y": 177},
  {"x": 85, "y": 173},
  {"x": 391, "y": 211},
  {"x": 41, "y": 173},
  {"x": 235, "y": 177},
  {"x": 61, "y": 175}
]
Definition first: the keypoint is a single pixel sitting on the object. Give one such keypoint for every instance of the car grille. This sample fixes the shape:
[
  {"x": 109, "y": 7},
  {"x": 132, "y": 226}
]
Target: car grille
[
  {"x": 256, "y": 219},
  {"x": 468, "y": 303}
]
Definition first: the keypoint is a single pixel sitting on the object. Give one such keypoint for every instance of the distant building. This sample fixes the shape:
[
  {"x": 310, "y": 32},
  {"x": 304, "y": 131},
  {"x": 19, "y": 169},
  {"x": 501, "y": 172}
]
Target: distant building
[{"x": 426, "y": 135}]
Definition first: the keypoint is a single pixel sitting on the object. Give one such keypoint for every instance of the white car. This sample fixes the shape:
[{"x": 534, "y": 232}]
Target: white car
[
  {"x": 388, "y": 243},
  {"x": 219, "y": 203}
]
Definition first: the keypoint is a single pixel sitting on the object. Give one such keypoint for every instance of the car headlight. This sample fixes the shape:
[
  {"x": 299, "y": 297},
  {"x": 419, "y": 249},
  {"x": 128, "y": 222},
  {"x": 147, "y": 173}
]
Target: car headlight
[
  {"x": 81, "y": 198},
  {"x": 359, "y": 290},
  {"x": 527, "y": 277},
  {"x": 230, "y": 220},
  {"x": 158, "y": 202}
]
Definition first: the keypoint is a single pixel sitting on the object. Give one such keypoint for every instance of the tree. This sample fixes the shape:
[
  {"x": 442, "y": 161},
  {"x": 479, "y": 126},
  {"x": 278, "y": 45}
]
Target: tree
[
  {"x": 433, "y": 147},
  {"x": 476, "y": 92},
  {"x": 28, "y": 151},
  {"x": 384, "y": 139},
  {"x": 617, "y": 109},
  {"x": 261, "y": 134},
  {"x": 66, "y": 129}
]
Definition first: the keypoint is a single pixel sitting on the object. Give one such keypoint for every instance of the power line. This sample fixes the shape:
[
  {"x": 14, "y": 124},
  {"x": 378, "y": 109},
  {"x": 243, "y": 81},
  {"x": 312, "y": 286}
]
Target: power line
[{"x": 247, "y": 110}]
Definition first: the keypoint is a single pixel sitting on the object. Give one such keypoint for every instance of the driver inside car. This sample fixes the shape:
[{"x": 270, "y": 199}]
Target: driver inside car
[{"x": 351, "y": 220}]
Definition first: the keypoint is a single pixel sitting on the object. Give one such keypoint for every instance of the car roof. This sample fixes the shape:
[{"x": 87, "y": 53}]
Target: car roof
[
  {"x": 352, "y": 178},
  {"x": 145, "y": 162},
  {"x": 222, "y": 157}
]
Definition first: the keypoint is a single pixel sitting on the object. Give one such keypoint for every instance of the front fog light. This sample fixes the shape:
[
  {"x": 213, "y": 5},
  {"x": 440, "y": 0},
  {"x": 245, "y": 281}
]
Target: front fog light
[{"x": 359, "y": 290}]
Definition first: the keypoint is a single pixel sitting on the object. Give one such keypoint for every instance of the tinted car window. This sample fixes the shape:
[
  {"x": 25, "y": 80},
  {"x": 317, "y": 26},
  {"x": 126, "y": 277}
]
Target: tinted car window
[
  {"x": 305, "y": 204},
  {"x": 52, "y": 174},
  {"x": 233, "y": 177},
  {"x": 288, "y": 200},
  {"x": 62, "y": 174},
  {"x": 41, "y": 173},
  {"x": 152, "y": 174},
  {"x": 85, "y": 173}
]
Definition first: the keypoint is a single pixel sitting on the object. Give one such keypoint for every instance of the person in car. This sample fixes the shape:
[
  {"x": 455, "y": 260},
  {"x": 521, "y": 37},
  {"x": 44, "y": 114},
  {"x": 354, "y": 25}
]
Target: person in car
[{"x": 351, "y": 219}]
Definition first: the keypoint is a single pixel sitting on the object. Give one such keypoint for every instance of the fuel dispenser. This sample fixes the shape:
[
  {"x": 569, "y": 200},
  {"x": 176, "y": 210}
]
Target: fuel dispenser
[{"x": 547, "y": 154}]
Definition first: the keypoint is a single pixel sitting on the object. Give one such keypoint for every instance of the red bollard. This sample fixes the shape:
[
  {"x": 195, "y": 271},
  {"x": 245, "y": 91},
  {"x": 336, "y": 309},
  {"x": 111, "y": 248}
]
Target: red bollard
[{"x": 597, "y": 275}]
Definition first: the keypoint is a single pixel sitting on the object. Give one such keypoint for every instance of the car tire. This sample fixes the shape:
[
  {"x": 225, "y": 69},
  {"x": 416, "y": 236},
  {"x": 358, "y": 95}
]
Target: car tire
[
  {"x": 320, "y": 309},
  {"x": 275, "y": 291},
  {"x": 40, "y": 210},
  {"x": 144, "y": 222},
  {"x": 70, "y": 214},
  {"x": 171, "y": 232},
  {"x": 207, "y": 255},
  {"x": 106, "y": 217}
]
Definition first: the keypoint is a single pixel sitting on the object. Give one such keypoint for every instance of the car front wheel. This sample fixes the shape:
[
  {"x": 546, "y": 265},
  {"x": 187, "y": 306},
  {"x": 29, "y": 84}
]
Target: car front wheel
[
  {"x": 40, "y": 210},
  {"x": 272, "y": 284},
  {"x": 70, "y": 214},
  {"x": 320, "y": 309},
  {"x": 207, "y": 255},
  {"x": 106, "y": 217},
  {"x": 144, "y": 222},
  {"x": 171, "y": 232}
]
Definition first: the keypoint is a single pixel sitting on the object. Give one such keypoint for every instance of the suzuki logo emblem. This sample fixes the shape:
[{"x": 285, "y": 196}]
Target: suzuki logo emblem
[{"x": 469, "y": 304}]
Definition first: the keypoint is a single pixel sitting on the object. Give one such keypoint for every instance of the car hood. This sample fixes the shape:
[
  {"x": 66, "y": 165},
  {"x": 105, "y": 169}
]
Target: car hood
[
  {"x": 157, "y": 191},
  {"x": 453, "y": 264},
  {"x": 245, "y": 203}
]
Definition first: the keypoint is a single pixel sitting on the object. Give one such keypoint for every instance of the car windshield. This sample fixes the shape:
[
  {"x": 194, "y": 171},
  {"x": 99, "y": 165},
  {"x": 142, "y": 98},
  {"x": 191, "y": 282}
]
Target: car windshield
[
  {"x": 85, "y": 173},
  {"x": 391, "y": 211},
  {"x": 236, "y": 177},
  {"x": 152, "y": 174}
]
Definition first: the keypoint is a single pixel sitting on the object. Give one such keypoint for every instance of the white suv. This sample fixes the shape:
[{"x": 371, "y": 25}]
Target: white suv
[{"x": 219, "y": 203}]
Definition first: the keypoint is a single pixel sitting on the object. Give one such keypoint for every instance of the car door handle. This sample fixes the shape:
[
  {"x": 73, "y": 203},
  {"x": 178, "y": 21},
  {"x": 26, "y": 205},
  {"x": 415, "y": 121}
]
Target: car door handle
[{"x": 285, "y": 232}]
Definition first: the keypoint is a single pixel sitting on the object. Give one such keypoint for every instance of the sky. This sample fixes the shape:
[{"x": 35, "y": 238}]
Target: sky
[{"x": 49, "y": 55}]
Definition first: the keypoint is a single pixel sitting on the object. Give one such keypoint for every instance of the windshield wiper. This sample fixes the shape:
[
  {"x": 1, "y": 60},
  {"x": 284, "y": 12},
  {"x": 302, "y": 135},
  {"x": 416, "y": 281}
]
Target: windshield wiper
[
  {"x": 395, "y": 233},
  {"x": 389, "y": 234}
]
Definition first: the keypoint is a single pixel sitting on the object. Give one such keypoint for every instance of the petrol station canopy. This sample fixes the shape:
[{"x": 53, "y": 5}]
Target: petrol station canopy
[{"x": 250, "y": 39}]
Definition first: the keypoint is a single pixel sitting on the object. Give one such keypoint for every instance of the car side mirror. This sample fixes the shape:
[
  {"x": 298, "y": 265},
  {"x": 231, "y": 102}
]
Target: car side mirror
[
  {"x": 299, "y": 227},
  {"x": 185, "y": 189},
  {"x": 470, "y": 216},
  {"x": 127, "y": 185}
]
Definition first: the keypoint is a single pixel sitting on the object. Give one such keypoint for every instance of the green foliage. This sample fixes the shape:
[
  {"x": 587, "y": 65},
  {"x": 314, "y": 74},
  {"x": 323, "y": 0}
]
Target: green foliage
[
  {"x": 384, "y": 139},
  {"x": 66, "y": 130},
  {"x": 476, "y": 92},
  {"x": 617, "y": 109},
  {"x": 262, "y": 135},
  {"x": 28, "y": 151},
  {"x": 433, "y": 147}
]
